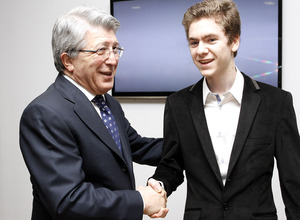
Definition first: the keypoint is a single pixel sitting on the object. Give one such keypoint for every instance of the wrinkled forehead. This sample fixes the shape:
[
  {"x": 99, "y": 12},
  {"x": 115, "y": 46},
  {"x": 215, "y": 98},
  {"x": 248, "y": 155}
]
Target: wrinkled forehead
[{"x": 99, "y": 36}]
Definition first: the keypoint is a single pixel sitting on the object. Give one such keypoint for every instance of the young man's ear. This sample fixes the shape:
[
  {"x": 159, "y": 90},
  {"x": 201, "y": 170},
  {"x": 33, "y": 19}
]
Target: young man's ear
[
  {"x": 67, "y": 61},
  {"x": 235, "y": 43}
]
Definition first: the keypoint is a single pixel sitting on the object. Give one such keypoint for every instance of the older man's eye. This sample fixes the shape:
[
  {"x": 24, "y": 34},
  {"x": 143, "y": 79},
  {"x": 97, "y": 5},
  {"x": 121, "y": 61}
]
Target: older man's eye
[{"x": 102, "y": 50}]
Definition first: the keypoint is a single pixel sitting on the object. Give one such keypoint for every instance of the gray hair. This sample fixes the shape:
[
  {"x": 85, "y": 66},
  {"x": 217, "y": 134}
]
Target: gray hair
[{"x": 68, "y": 34}]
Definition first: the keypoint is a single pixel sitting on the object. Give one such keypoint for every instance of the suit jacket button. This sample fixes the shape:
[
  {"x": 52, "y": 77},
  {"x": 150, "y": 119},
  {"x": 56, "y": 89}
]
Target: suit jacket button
[
  {"x": 124, "y": 168},
  {"x": 225, "y": 206}
]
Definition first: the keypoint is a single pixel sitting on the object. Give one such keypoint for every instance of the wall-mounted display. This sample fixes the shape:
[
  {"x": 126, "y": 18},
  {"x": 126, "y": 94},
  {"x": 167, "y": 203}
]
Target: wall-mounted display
[{"x": 157, "y": 61}]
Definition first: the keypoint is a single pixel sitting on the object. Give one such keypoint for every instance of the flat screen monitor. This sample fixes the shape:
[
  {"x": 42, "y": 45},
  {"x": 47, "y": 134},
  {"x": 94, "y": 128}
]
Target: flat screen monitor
[{"x": 157, "y": 61}]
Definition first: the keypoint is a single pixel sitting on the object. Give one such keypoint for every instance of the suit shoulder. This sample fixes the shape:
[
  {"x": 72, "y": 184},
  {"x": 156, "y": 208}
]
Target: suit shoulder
[
  {"x": 49, "y": 99},
  {"x": 181, "y": 93},
  {"x": 43, "y": 97},
  {"x": 264, "y": 87}
]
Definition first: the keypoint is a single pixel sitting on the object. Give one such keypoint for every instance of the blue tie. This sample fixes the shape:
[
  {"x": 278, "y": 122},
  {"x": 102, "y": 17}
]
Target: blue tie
[{"x": 108, "y": 119}]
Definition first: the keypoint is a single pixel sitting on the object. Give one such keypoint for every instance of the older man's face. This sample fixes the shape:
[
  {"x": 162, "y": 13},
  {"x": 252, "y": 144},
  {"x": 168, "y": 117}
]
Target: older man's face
[{"x": 92, "y": 71}]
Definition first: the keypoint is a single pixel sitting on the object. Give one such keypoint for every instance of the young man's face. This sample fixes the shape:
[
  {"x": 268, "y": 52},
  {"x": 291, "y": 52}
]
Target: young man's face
[{"x": 210, "y": 49}]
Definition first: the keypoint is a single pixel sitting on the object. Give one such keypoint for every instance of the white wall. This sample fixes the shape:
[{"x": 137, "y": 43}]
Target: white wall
[{"x": 26, "y": 70}]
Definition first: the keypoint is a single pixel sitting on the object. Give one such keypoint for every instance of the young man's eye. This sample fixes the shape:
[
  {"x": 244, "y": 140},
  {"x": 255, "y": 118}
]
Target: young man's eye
[{"x": 193, "y": 43}]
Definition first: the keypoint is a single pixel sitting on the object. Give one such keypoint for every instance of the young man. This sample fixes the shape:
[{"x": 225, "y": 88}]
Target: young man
[
  {"x": 226, "y": 130},
  {"x": 80, "y": 165}
]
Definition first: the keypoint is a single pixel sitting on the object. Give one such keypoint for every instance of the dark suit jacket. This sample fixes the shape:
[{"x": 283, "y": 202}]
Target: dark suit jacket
[
  {"x": 266, "y": 130},
  {"x": 76, "y": 169}
]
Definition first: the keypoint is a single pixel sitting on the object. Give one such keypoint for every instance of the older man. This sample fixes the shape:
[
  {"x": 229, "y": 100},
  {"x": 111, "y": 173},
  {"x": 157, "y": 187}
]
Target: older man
[{"x": 75, "y": 139}]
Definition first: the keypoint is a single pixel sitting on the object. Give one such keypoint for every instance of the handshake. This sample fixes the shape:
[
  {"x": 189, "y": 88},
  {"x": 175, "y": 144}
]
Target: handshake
[{"x": 155, "y": 199}]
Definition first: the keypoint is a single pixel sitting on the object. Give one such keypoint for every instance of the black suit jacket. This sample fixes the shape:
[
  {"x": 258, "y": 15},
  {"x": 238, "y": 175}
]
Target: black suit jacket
[
  {"x": 76, "y": 169},
  {"x": 266, "y": 130}
]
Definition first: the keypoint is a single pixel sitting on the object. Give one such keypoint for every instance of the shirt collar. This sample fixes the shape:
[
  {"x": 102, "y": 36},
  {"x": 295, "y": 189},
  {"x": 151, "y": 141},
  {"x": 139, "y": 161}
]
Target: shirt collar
[
  {"x": 236, "y": 89},
  {"x": 89, "y": 95}
]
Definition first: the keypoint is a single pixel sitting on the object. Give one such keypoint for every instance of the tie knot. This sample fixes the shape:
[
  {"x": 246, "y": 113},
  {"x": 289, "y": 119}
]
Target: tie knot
[{"x": 99, "y": 100}]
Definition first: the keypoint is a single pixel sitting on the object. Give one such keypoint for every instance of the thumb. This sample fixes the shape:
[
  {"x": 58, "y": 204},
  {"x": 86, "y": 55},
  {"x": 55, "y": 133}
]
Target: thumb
[{"x": 155, "y": 185}]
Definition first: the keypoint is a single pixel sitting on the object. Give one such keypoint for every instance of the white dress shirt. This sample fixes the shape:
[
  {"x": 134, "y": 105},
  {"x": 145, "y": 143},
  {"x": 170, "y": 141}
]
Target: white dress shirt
[
  {"x": 89, "y": 95},
  {"x": 222, "y": 114}
]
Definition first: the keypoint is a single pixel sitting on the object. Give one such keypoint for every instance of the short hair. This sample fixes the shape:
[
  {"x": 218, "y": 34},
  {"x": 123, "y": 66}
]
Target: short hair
[
  {"x": 68, "y": 34},
  {"x": 225, "y": 13}
]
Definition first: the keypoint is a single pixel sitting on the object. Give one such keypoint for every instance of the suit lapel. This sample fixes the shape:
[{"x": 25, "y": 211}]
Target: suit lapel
[
  {"x": 89, "y": 116},
  {"x": 250, "y": 104},
  {"x": 195, "y": 104},
  {"x": 85, "y": 110}
]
